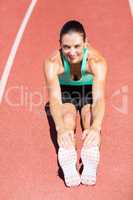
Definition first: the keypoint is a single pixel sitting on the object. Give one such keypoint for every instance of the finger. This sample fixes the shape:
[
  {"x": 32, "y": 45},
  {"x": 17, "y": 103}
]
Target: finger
[
  {"x": 94, "y": 139},
  {"x": 72, "y": 136},
  {"x": 97, "y": 140},
  {"x": 91, "y": 142},
  {"x": 63, "y": 141},
  {"x": 72, "y": 140},
  {"x": 84, "y": 134},
  {"x": 67, "y": 141},
  {"x": 88, "y": 140},
  {"x": 60, "y": 143}
]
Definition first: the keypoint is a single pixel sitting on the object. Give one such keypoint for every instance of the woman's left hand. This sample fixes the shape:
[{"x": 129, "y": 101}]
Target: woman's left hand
[{"x": 91, "y": 137}]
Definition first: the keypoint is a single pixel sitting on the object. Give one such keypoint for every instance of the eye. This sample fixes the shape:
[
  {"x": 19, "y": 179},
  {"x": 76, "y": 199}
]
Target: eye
[
  {"x": 77, "y": 46},
  {"x": 66, "y": 47}
]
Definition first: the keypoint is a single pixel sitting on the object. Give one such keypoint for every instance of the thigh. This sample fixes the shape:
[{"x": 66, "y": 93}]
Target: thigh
[
  {"x": 86, "y": 109},
  {"x": 69, "y": 115},
  {"x": 69, "y": 108},
  {"x": 86, "y": 113}
]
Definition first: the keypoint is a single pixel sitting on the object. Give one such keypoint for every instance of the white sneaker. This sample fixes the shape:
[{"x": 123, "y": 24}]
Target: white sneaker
[
  {"x": 67, "y": 160},
  {"x": 90, "y": 158}
]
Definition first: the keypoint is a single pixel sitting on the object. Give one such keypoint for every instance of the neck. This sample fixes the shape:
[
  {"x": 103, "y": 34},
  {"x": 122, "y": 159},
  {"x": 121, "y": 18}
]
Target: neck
[{"x": 76, "y": 65}]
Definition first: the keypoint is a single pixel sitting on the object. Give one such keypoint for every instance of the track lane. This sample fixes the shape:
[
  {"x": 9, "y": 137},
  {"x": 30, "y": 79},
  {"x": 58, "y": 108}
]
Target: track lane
[{"x": 29, "y": 168}]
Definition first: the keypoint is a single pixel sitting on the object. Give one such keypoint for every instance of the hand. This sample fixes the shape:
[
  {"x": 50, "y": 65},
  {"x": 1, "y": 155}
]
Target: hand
[
  {"x": 66, "y": 139},
  {"x": 91, "y": 137}
]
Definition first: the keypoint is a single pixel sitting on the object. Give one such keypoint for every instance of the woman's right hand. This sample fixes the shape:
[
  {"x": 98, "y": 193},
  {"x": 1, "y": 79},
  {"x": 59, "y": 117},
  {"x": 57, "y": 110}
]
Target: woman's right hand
[{"x": 66, "y": 138}]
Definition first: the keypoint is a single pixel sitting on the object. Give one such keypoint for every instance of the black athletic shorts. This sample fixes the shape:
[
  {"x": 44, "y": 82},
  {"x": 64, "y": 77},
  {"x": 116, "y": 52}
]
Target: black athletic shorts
[{"x": 77, "y": 95}]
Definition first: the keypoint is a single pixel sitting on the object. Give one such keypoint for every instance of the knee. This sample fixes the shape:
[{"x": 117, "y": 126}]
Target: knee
[
  {"x": 69, "y": 115},
  {"x": 69, "y": 118},
  {"x": 85, "y": 112}
]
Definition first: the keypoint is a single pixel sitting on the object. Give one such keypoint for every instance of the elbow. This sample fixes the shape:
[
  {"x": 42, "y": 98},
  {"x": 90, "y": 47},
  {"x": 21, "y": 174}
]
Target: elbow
[
  {"x": 54, "y": 105},
  {"x": 99, "y": 101}
]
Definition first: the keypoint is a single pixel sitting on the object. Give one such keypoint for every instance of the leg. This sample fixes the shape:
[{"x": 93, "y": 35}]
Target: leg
[
  {"x": 69, "y": 115},
  {"x": 90, "y": 156},
  {"x": 68, "y": 157},
  {"x": 86, "y": 116}
]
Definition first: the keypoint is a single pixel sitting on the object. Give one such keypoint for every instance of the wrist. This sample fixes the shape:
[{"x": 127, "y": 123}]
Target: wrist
[
  {"x": 59, "y": 129},
  {"x": 96, "y": 127}
]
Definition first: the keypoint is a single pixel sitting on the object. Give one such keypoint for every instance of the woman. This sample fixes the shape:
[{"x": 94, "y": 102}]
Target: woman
[{"x": 75, "y": 77}]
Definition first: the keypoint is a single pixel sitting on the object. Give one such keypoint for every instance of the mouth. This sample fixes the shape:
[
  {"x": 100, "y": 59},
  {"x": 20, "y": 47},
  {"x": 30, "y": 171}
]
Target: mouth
[{"x": 72, "y": 57}]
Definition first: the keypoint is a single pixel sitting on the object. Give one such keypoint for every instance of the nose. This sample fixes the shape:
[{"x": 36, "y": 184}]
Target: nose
[{"x": 72, "y": 52}]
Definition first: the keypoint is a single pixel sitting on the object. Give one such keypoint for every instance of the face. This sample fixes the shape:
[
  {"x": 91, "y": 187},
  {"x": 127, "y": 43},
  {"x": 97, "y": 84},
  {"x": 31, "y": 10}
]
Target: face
[{"x": 72, "y": 45}]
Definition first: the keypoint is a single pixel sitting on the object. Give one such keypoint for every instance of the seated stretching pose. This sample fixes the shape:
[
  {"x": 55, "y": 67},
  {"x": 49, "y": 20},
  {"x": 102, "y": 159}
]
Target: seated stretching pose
[{"x": 75, "y": 77}]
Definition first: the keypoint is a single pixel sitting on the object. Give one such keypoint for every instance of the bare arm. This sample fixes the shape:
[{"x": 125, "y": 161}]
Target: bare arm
[
  {"x": 64, "y": 136},
  {"x": 54, "y": 92},
  {"x": 99, "y": 70}
]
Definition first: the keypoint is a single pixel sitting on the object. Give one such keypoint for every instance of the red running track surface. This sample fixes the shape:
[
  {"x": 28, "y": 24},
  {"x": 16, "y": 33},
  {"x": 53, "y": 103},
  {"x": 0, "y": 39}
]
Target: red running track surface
[{"x": 28, "y": 162}]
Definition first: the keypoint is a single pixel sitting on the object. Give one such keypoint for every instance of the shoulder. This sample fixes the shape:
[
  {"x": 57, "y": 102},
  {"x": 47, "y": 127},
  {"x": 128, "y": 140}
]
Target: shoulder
[
  {"x": 95, "y": 55},
  {"x": 53, "y": 58},
  {"x": 97, "y": 62},
  {"x": 52, "y": 64}
]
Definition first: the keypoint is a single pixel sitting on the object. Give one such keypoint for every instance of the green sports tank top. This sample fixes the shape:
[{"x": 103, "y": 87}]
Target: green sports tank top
[{"x": 65, "y": 78}]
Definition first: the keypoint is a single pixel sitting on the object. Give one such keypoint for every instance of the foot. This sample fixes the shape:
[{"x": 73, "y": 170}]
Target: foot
[
  {"x": 67, "y": 160},
  {"x": 90, "y": 158}
]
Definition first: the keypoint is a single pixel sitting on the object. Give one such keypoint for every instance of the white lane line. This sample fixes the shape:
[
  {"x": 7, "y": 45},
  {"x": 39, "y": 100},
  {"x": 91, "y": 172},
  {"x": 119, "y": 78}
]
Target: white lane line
[
  {"x": 131, "y": 6},
  {"x": 11, "y": 57}
]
